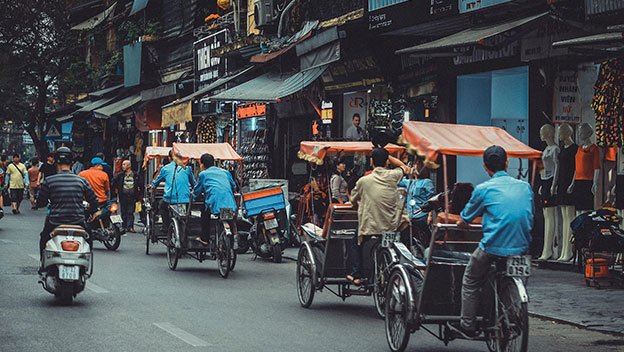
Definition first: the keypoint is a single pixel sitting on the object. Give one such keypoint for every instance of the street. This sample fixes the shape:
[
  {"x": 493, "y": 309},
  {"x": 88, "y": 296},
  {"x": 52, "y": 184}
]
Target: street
[{"x": 134, "y": 302}]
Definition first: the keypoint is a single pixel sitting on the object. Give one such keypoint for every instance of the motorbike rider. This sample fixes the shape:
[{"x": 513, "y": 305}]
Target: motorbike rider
[
  {"x": 506, "y": 205},
  {"x": 98, "y": 179},
  {"x": 217, "y": 186},
  {"x": 380, "y": 207},
  {"x": 178, "y": 183},
  {"x": 64, "y": 191}
]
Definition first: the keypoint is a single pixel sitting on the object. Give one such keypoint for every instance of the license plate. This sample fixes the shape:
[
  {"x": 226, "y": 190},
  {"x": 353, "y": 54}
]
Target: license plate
[
  {"x": 519, "y": 266},
  {"x": 115, "y": 219},
  {"x": 388, "y": 238},
  {"x": 270, "y": 224},
  {"x": 69, "y": 272}
]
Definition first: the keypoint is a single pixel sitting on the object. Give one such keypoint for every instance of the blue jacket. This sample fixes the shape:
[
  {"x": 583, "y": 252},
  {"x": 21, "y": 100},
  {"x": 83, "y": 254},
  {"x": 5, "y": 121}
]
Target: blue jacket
[
  {"x": 217, "y": 186},
  {"x": 506, "y": 205},
  {"x": 184, "y": 180},
  {"x": 418, "y": 193}
]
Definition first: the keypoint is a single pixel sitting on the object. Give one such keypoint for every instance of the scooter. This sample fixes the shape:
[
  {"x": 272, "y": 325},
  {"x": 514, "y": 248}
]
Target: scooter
[
  {"x": 67, "y": 262},
  {"x": 268, "y": 235},
  {"x": 104, "y": 225}
]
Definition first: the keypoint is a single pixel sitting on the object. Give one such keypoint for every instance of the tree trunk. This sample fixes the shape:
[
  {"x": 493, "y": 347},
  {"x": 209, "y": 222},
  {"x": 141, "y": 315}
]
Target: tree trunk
[{"x": 41, "y": 147}]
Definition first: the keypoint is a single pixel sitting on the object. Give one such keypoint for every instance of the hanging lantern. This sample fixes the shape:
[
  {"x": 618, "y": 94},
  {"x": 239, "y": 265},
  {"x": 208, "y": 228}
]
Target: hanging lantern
[{"x": 224, "y": 4}]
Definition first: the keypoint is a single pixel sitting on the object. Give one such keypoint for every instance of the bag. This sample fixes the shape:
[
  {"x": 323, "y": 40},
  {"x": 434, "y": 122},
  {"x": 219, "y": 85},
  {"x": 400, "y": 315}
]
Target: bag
[
  {"x": 6, "y": 199},
  {"x": 137, "y": 207}
]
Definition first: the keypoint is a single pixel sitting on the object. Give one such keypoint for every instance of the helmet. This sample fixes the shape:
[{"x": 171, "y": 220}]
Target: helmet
[{"x": 63, "y": 156}]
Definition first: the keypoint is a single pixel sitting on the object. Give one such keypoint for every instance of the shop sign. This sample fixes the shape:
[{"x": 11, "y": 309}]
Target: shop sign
[
  {"x": 207, "y": 67},
  {"x": 379, "y": 4},
  {"x": 327, "y": 112},
  {"x": 352, "y": 74},
  {"x": 480, "y": 55},
  {"x": 251, "y": 110},
  {"x": 395, "y": 15},
  {"x": 567, "y": 107},
  {"x": 537, "y": 44},
  {"x": 473, "y": 5}
]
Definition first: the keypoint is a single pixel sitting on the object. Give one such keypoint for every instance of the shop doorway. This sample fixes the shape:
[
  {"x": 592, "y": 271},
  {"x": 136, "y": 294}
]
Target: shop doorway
[{"x": 495, "y": 98}]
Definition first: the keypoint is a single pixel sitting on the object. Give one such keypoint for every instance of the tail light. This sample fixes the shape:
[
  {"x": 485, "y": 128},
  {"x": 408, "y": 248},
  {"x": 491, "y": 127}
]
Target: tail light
[
  {"x": 268, "y": 216},
  {"x": 71, "y": 246},
  {"x": 114, "y": 208}
]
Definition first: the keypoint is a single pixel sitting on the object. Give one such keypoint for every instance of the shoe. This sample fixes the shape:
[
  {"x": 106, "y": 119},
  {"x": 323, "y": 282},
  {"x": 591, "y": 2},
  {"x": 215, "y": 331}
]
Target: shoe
[
  {"x": 14, "y": 211},
  {"x": 458, "y": 331},
  {"x": 131, "y": 230},
  {"x": 18, "y": 212},
  {"x": 354, "y": 279}
]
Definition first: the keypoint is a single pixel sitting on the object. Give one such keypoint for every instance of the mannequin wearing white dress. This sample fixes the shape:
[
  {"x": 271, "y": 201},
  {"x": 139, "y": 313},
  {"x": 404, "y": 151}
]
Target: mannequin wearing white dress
[{"x": 550, "y": 159}]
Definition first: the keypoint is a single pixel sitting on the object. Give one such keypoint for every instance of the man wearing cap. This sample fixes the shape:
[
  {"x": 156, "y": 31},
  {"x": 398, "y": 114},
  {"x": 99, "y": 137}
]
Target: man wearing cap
[
  {"x": 98, "y": 179},
  {"x": 506, "y": 205}
]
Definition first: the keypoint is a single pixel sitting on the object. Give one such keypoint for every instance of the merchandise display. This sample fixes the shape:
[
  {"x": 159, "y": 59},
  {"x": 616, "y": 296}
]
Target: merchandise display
[
  {"x": 608, "y": 103},
  {"x": 547, "y": 194},
  {"x": 255, "y": 153}
]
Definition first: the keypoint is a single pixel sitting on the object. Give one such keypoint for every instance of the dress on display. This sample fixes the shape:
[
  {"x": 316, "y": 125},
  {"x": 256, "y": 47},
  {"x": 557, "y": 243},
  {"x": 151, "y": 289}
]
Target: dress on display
[
  {"x": 567, "y": 167},
  {"x": 587, "y": 160},
  {"x": 549, "y": 157}
]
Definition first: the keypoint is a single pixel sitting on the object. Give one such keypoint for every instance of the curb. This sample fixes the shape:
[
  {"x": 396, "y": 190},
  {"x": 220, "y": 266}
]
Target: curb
[{"x": 578, "y": 325}]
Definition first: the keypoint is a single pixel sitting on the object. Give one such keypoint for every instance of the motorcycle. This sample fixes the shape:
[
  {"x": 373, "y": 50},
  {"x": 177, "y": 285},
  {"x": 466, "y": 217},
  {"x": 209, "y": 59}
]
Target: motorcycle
[
  {"x": 268, "y": 234},
  {"x": 67, "y": 262},
  {"x": 104, "y": 225}
]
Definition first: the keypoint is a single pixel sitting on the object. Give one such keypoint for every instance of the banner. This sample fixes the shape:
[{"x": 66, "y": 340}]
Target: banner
[{"x": 567, "y": 107}]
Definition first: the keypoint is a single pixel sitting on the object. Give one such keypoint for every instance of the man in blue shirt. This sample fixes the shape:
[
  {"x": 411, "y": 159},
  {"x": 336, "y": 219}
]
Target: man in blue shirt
[
  {"x": 418, "y": 192},
  {"x": 217, "y": 186},
  {"x": 506, "y": 205},
  {"x": 178, "y": 183}
]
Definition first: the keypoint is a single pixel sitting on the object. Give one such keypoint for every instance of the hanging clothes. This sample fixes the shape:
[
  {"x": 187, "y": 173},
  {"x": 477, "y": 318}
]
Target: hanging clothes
[
  {"x": 608, "y": 104},
  {"x": 207, "y": 131}
]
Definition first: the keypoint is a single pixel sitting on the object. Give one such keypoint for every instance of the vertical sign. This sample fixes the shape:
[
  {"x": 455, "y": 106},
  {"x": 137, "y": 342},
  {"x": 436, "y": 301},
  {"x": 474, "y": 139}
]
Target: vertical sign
[
  {"x": 567, "y": 100},
  {"x": 207, "y": 67}
]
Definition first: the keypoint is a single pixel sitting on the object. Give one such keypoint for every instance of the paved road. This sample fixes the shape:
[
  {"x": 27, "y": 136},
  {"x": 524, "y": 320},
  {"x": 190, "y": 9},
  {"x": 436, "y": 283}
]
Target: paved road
[{"x": 135, "y": 303}]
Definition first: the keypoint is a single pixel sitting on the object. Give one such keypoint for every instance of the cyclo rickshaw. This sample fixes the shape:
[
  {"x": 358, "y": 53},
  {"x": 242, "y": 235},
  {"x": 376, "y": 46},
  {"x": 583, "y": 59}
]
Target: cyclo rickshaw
[
  {"x": 155, "y": 157},
  {"x": 324, "y": 257},
  {"x": 429, "y": 292},
  {"x": 186, "y": 219}
]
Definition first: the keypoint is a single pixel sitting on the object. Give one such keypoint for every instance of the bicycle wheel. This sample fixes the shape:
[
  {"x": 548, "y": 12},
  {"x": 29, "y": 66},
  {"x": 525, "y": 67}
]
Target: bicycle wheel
[
  {"x": 397, "y": 328},
  {"x": 224, "y": 259},
  {"x": 513, "y": 318},
  {"x": 382, "y": 262},
  {"x": 305, "y": 284}
]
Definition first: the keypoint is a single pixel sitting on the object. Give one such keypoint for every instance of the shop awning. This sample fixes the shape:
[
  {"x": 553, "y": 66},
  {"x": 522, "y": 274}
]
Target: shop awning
[
  {"x": 137, "y": 6},
  {"x": 271, "y": 86},
  {"x": 155, "y": 152},
  {"x": 590, "y": 40},
  {"x": 103, "y": 92},
  {"x": 116, "y": 107},
  {"x": 472, "y": 36},
  {"x": 159, "y": 92},
  {"x": 176, "y": 114},
  {"x": 432, "y": 139},
  {"x": 220, "y": 151},
  {"x": 96, "y": 104},
  {"x": 316, "y": 151},
  {"x": 65, "y": 118},
  {"x": 95, "y": 20},
  {"x": 212, "y": 86}
]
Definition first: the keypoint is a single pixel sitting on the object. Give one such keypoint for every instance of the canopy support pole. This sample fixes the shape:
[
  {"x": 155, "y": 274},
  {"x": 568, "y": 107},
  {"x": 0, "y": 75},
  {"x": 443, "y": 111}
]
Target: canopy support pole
[
  {"x": 446, "y": 195},
  {"x": 534, "y": 170}
]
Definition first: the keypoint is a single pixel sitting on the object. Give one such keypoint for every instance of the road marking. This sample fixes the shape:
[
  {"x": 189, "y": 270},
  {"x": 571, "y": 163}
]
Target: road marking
[
  {"x": 6, "y": 241},
  {"x": 182, "y": 335},
  {"x": 95, "y": 288}
]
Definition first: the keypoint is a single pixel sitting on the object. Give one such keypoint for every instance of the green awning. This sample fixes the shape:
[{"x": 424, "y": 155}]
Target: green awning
[{"x": 116, "y": 107}]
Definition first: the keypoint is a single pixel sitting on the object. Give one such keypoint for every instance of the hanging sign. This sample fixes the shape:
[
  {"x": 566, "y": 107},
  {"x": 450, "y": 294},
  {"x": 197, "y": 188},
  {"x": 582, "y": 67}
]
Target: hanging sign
[
  {"x": 567, "y": 99},
  {"x": 327, "y": 112},
  {"x": 251, "y": 110}
]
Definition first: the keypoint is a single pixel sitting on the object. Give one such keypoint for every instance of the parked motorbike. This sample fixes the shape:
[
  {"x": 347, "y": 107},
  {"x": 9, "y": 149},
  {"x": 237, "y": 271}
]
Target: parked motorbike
[
  {"x": 104, "y": 225},
  {"x": 268, "y": 234},
  {"x": 67, "y": 262}
]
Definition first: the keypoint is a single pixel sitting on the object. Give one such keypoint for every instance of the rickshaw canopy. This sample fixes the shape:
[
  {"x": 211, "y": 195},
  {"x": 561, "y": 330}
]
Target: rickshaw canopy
[
  {"x": 432, "y": 139},
  {"x": 316, "y": 151},
  {"x": 220, "y": 151}
]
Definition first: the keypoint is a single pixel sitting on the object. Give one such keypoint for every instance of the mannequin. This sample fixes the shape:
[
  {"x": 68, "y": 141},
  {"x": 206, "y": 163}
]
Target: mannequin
[
  {"x": 585, "y": 181},
  {"x": 550, "y": 158},
  {"x": 562, "y": 186},
  {"x": 610, "y": 158}
]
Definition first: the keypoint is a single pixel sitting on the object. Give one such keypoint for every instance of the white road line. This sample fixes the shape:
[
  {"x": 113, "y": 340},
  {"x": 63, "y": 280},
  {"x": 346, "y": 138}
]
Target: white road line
[
  {"x": 95, "y": 288},
  {"x": 6, "y": 241},
  {"x": 183, "y": 335}
]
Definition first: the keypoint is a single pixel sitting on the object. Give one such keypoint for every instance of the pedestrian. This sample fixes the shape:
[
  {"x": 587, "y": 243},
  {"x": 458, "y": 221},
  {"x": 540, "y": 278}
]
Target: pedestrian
[
  {"x": 48, "y": 168},
  {"x": 126, "y": 185},
  {"x": 33, "y": 187},
  {"x": 78, "y": 166},
  {"x": 105, "y": 167},
  {"x": 17, "y": 181}
]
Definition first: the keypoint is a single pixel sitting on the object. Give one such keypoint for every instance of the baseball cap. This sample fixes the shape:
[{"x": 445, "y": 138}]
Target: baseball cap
[
  {"x": 495, "y": 157},
  {"x": 97, "y": 161}
]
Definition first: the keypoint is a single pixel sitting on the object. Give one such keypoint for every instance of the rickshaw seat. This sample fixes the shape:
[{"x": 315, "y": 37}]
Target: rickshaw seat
[
  {"x": 452, "y": 219},
  {"x": 333, "y": 209}
]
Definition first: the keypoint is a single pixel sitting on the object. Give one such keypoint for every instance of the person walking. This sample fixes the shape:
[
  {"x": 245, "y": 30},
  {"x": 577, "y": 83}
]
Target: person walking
[
  {"x": 48, "y": 168},
  {"x": 33, "y": 187},
  {"x": 126, "y": 185},
  {"x": 17, "y": 180}
]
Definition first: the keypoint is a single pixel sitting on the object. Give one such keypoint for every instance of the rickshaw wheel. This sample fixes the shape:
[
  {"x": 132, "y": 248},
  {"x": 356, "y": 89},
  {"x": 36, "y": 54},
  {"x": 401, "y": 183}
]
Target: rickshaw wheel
[
  {"x": 277, "y": 253},
  {"x": 148, "y": 232},
  {"x": 232, "y": 258},
  {"x": 382, "y": 262},
  {"x": 397, "y": 328},
  {"x": 513, "y": 319},
  {"x": 224, "y": 259},
  {"x": 305, "y": 286},
  {"x": 172, "y": 251}
]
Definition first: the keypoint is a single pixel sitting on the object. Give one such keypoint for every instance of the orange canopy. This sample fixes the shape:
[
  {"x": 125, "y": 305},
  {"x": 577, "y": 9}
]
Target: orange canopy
[
  {"x": 316, "y": 151},
  {"x": 155, "y": 152},
  {"x": 220, "y": 151},
  {"x": 431, "y": 139}
]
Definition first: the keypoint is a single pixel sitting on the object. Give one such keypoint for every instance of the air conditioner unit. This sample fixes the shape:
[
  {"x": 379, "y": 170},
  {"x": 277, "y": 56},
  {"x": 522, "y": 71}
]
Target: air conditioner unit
[{"x": 263, "y": 13}]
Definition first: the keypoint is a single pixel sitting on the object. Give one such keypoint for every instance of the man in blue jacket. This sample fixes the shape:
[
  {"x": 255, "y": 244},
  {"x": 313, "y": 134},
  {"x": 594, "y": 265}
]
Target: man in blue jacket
[
  {"x": 217, "y": 186},
  {"x": 506, "y": 205},
  {"x": 178, "y": 183}
]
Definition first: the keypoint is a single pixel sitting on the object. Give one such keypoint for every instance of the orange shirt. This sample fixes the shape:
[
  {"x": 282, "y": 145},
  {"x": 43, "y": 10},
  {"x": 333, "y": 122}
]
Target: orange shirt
[
  {"x": 587, "y": 160},
  {"x": 611, "y": 153},
  {"x": 98, "y": 180}
]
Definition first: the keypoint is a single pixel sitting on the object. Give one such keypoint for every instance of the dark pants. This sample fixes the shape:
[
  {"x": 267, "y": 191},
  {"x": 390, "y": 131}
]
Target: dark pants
[
  {"x": 474, "y": 279},
  {"x": 127, "y": 213},
  {"x": 356, "y": 256},
  {"x": 422, "y": 231},
  {"x": 163, "y": 209},
  {"x": 47, "y": 230}
]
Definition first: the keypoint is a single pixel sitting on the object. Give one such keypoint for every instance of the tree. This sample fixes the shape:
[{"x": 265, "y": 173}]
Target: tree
[{"x": 37, "y": 47}]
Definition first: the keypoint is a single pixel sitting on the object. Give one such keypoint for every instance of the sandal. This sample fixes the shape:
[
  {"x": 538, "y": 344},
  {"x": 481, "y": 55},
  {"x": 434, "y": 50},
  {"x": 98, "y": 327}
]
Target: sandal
[{"x": 354, "y": 280}]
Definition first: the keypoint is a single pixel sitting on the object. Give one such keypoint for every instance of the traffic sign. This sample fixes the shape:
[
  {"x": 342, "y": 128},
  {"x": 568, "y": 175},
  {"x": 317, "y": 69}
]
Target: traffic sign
[{"x": 53, "y": 130}]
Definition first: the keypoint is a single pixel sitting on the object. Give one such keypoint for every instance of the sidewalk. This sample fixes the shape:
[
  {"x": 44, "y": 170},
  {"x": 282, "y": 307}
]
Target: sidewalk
[{"x": 563, "y": 296}]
